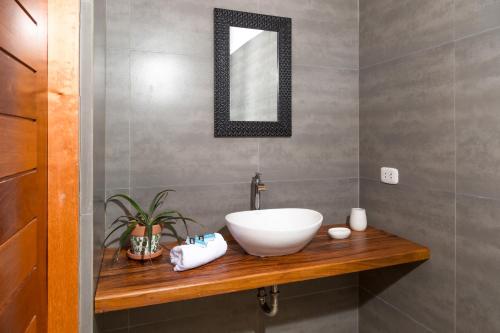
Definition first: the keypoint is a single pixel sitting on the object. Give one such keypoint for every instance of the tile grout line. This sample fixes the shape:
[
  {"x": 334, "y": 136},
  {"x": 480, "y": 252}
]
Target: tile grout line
[
  {"x": 416, "y": 52},
  {"x": 455, "y": 173},
  {"x": 242, "y": 183},
  {"x": 396, "y": 309}
]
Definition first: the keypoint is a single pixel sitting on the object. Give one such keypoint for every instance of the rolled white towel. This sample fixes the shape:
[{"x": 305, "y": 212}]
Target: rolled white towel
[{"x": 188, "y": 256}]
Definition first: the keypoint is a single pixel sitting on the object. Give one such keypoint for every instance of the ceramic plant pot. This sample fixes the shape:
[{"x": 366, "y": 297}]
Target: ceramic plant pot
[{"x": 139, "y": 243}]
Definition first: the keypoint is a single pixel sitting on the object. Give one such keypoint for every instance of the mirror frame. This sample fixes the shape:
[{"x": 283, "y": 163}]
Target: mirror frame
[{"x": 223, "y": 126}]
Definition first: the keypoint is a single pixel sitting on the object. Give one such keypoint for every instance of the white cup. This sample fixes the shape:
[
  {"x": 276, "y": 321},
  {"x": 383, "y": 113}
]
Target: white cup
[{"x": 357, "y": 221}]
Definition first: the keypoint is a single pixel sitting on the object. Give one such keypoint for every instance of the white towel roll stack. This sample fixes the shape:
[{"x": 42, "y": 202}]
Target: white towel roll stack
[{"x": 188, "y": 256}]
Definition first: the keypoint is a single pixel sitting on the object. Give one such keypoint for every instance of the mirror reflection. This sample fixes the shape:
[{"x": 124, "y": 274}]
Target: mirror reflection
[{"x": 254, "y": 75}]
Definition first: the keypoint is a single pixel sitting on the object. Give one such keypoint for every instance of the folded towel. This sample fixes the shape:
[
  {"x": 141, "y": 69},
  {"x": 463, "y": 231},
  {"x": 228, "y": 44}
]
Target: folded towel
[{"x": 189, "y": 256}]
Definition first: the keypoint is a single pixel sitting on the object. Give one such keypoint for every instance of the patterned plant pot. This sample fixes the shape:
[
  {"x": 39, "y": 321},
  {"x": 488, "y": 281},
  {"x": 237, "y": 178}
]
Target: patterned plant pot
[{"x": 139, "y": 244}]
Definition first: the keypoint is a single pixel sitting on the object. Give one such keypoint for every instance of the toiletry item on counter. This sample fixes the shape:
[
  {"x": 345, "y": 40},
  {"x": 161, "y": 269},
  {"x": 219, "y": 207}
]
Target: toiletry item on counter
[
  {"x": 339, "y": 233},
  {"x": 357, "y": 221},
  {"x": 197, "y": 251}
]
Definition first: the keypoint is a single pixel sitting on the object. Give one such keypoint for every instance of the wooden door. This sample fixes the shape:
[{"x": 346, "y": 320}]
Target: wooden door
[{"x": 23, "y": 166}]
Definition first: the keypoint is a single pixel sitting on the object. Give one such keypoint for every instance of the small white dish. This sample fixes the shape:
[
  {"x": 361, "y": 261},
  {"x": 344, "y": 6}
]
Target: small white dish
[{"x": 339, "y": 233}]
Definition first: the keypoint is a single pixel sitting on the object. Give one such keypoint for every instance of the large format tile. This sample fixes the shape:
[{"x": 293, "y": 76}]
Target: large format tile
[
  {"x": 376, "y": 316},
  {"x": 324, "y": 142},
  {"x": 393, "y": 28},
  {"x": 333, "y": 198},
  {"x": 407, "y": 120},
  {"x": 231, "y": 317},
  {"x": 189, "y": 22},
  {"x": 207, "y": 204},
  {"x": 473, "y": 16},
  {"x": 118, "y": 24},
  {"x": 111, "y": 321},
  {"x": 199, "y": 307},
  {"x": 334, "y": 311},
  {"x": 324, "y": 32},
  {"x": 304, "y": 288},
  {"x": 478, "y": 268},
  {"x": 172, "y": 126},
  {"x": 426, "y": 290},
  {"x": 477, "y": 116},
  {"x": 117, "y": 119}
]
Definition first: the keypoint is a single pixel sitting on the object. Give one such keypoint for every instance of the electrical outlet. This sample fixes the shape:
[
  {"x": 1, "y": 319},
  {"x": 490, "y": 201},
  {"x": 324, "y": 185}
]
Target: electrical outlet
[{"x": 389, "y": 175}]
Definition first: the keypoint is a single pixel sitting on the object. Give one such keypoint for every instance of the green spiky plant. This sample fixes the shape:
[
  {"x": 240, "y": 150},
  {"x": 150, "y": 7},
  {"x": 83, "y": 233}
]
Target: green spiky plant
[{"x": 147, "y": 218}]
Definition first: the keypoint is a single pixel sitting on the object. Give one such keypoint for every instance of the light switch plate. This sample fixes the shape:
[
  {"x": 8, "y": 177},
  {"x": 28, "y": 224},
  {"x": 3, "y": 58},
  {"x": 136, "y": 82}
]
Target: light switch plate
[{"x": 389, "y": 175}]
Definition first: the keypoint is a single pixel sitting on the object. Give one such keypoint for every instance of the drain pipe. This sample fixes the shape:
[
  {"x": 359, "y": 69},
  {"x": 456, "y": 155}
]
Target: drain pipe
[{"x": 271, "y": 309}]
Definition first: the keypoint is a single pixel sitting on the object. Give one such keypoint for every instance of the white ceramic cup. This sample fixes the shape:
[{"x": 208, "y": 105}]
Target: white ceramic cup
[{"x": 357, "y": 221}]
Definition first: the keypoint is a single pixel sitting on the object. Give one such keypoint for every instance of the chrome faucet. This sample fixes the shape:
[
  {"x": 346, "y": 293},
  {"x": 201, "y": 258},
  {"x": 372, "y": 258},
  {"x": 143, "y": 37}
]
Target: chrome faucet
[{"x": 256, "y": 187}]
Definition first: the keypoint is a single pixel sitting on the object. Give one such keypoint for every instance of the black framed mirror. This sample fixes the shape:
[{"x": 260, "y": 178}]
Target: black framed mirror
[{"x": 253, "y": 74}]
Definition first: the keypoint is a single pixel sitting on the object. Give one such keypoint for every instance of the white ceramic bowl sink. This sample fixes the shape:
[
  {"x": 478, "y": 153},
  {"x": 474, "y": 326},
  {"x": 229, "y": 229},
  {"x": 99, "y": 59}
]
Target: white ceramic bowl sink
[{"x": 274, "y": 232}]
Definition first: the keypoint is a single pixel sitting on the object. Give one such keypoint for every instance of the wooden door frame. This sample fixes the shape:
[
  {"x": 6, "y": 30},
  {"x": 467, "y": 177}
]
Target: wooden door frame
[{"x": 63, "y": 165}]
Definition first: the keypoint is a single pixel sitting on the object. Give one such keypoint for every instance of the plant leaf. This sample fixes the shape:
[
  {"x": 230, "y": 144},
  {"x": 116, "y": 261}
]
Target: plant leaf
[
  {"x": 132, "y": 202},
  {"x": 158, "y": 200},
  {"x": 170, "y": 227},
  {"x": 126, "y": 234}
]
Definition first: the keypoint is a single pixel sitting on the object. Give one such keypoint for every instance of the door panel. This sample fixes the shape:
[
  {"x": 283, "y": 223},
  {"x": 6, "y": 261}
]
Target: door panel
[
  {"x": 23, "y": 166},
  {"x": 19, "y": 153},
  {"x": 19, "y": 84},
  {"x": 18, "y": 203},
  {"x": 17, "y": 259}
]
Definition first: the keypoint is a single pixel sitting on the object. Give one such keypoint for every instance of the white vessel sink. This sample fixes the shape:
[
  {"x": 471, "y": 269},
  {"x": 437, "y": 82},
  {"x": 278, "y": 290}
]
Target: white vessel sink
[{"x": 274, "y": 232}]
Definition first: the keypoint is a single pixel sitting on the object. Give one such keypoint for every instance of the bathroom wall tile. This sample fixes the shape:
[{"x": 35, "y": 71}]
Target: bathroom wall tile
[
  {"x": 377, "y": 316},
  {"x": 298, "y": 289},
  {"x": 112, "y": 320},
  {"x": 474, "y": 16},
  {"x": 407, "y": 120},
  {"x": 234, "y": 318},
  {"x": 118, "y": 24},
  {"x": 207, "y": 204},
  {"x": 478, "y": 269},
  {"x": 172, "y": 127},
  {"x": 425, "y": 290},
  {"x": 477, "y": 116},
  {"x": 334, "y": 311},
  {"x": 324, "y": 32},
  {"x": 393, "y": 28},
  {"x": 117, "y": 119},
  {"x": 187, "y": 310},
  {"x": 324, "y": 143},
  {"x": 332, "y": 198},
  {"x": 86, "y": 302},
  {"x": 112, "y": 212},
  {"x": 190, "y": 25}
]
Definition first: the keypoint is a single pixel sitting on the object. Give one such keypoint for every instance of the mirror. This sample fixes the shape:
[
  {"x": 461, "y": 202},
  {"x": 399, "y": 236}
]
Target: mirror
[
  {"x": 252, "y": 68},
  {"x": 253, "y": 75}
]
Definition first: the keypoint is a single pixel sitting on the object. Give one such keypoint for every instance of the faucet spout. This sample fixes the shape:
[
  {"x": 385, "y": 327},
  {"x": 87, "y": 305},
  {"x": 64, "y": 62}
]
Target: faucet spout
[{"x": 256, "y": 187}]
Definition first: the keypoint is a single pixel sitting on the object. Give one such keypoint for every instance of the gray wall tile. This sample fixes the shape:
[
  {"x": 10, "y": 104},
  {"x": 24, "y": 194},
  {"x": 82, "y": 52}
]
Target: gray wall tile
[
  {"x": 118, "y": 23},
  {"x": 324, "y": 143},
  {"x": 407, "y": 119},
  {"x": 334, "y": 311},
  {"x": 207, "y": 204},
  {"x": 172, "y": 126},
  {"x": 424, "y": 291},
  {"x": 478, "y": 268},
  {"x": 393, "y": 28},
  {"x": 117, "y": 118},
  {"x": 377, "y": 316},
  {"x": 325, "y": 32},
  {"x": 474, "y": 16},
  {"x": 477, "y": 116},
  {"x": 333, "y": 198}
]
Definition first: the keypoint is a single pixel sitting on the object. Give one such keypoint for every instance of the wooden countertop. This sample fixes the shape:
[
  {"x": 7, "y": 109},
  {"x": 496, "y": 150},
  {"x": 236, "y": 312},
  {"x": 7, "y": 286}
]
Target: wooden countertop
[{"x": 128, "y": 284}]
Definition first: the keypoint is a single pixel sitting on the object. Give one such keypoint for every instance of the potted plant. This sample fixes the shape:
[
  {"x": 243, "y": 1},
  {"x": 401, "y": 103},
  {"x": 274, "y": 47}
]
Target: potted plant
[{"x": 144, "y": 227}]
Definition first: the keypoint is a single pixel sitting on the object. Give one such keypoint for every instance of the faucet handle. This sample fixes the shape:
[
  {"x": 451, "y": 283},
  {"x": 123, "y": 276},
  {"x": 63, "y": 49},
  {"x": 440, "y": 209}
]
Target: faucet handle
[{"x": 261, "y": 187}]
